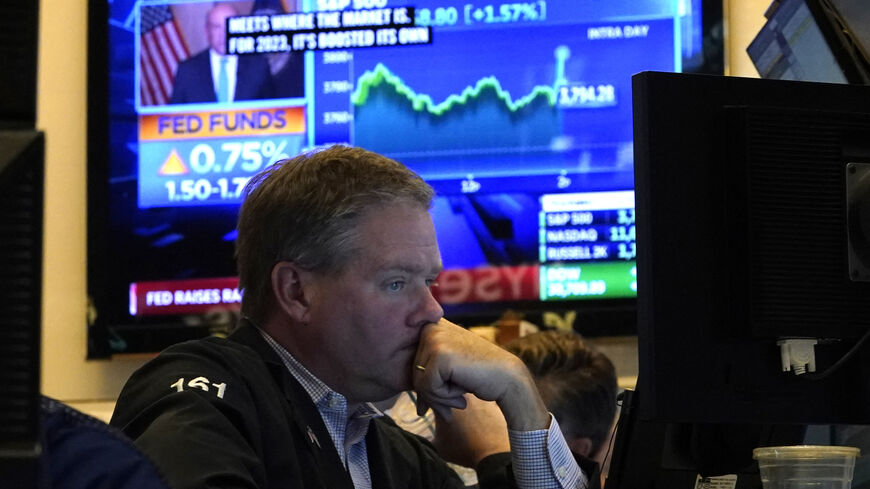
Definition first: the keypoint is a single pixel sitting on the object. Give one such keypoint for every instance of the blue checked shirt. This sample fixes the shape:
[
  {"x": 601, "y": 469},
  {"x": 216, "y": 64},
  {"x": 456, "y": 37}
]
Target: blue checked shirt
[{"x": 541, "y": 459}]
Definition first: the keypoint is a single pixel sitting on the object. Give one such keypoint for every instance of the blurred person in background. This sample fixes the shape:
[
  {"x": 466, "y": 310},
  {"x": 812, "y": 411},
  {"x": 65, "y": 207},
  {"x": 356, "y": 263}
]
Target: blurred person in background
[{"x": 578, "y": 385}]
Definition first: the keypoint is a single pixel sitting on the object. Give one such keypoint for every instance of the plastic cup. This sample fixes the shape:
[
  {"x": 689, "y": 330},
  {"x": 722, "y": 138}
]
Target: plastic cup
[{"x": 806, "y": 467}]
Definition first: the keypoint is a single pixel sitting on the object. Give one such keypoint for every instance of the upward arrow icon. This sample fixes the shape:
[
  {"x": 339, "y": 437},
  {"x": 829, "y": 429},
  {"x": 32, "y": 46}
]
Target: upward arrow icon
[{"x": 173, "y": 165}]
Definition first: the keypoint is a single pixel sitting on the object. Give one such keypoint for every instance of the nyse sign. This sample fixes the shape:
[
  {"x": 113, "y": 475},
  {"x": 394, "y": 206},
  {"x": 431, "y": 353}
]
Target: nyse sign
[{"x": 487, "y": 284}]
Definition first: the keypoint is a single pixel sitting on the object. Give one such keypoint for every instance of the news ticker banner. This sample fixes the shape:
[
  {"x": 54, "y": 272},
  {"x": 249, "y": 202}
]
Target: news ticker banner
[
  {"x": 207, "y": 157},
  {"x": 333, "y": 28},
  {"x": 587, "y": 227},
  {"x": 457, "y": 286},
  {"x": 194, "y": 296},
  {"x": 607, "y": 280},
  {"x": 587, "y": 246}
]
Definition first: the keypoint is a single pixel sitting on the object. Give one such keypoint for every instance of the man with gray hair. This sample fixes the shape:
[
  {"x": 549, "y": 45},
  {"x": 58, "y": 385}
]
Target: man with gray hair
[{"x": 336, "y": 254}]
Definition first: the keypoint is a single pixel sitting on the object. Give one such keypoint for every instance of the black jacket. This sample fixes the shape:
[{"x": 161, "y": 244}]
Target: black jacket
[{"x": 227, "y": 413}]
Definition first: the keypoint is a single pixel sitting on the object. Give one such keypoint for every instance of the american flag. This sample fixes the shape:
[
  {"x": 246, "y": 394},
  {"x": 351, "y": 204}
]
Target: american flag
[{"x": 161, "y": 49}]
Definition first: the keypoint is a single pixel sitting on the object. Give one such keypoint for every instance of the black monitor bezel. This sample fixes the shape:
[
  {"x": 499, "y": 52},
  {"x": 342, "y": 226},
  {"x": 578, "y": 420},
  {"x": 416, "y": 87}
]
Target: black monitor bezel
[{"x": 701, "y": 355}]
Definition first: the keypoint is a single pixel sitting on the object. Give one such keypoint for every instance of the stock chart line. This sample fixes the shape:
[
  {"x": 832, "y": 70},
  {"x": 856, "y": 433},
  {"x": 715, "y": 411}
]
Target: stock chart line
[{"x": 423, "y": 102}]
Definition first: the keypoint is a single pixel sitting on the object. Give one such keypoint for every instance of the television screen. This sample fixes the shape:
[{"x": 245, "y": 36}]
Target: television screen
[{"x": 517, "y": 113}]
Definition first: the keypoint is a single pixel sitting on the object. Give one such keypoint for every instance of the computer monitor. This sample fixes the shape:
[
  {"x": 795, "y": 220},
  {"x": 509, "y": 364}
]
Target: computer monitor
[
  {"x": 814, "y": 40},
  {"x": 21, "y": 196},
  {"x": 19, "y": 22},
  {"x": 753, "y": 220}
]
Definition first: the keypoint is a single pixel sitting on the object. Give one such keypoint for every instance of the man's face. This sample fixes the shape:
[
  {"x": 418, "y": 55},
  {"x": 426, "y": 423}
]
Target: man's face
[
  {"x": 216, "y": 25},
  {"x": 365, "y": 321}
]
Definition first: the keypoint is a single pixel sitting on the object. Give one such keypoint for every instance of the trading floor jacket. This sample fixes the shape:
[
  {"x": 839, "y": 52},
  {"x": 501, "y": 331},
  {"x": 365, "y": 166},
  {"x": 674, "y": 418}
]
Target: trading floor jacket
[{"x": 226, "y": 413}]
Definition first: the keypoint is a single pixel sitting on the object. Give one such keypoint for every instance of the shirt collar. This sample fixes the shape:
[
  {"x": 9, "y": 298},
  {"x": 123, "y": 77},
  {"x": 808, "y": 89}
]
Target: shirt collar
[{"x": 323, "y": 397}]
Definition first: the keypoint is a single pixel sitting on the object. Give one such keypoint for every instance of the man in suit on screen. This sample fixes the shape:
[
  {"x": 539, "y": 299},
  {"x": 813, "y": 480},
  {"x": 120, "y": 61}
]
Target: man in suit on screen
[{"x": 212, "y": 75}]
